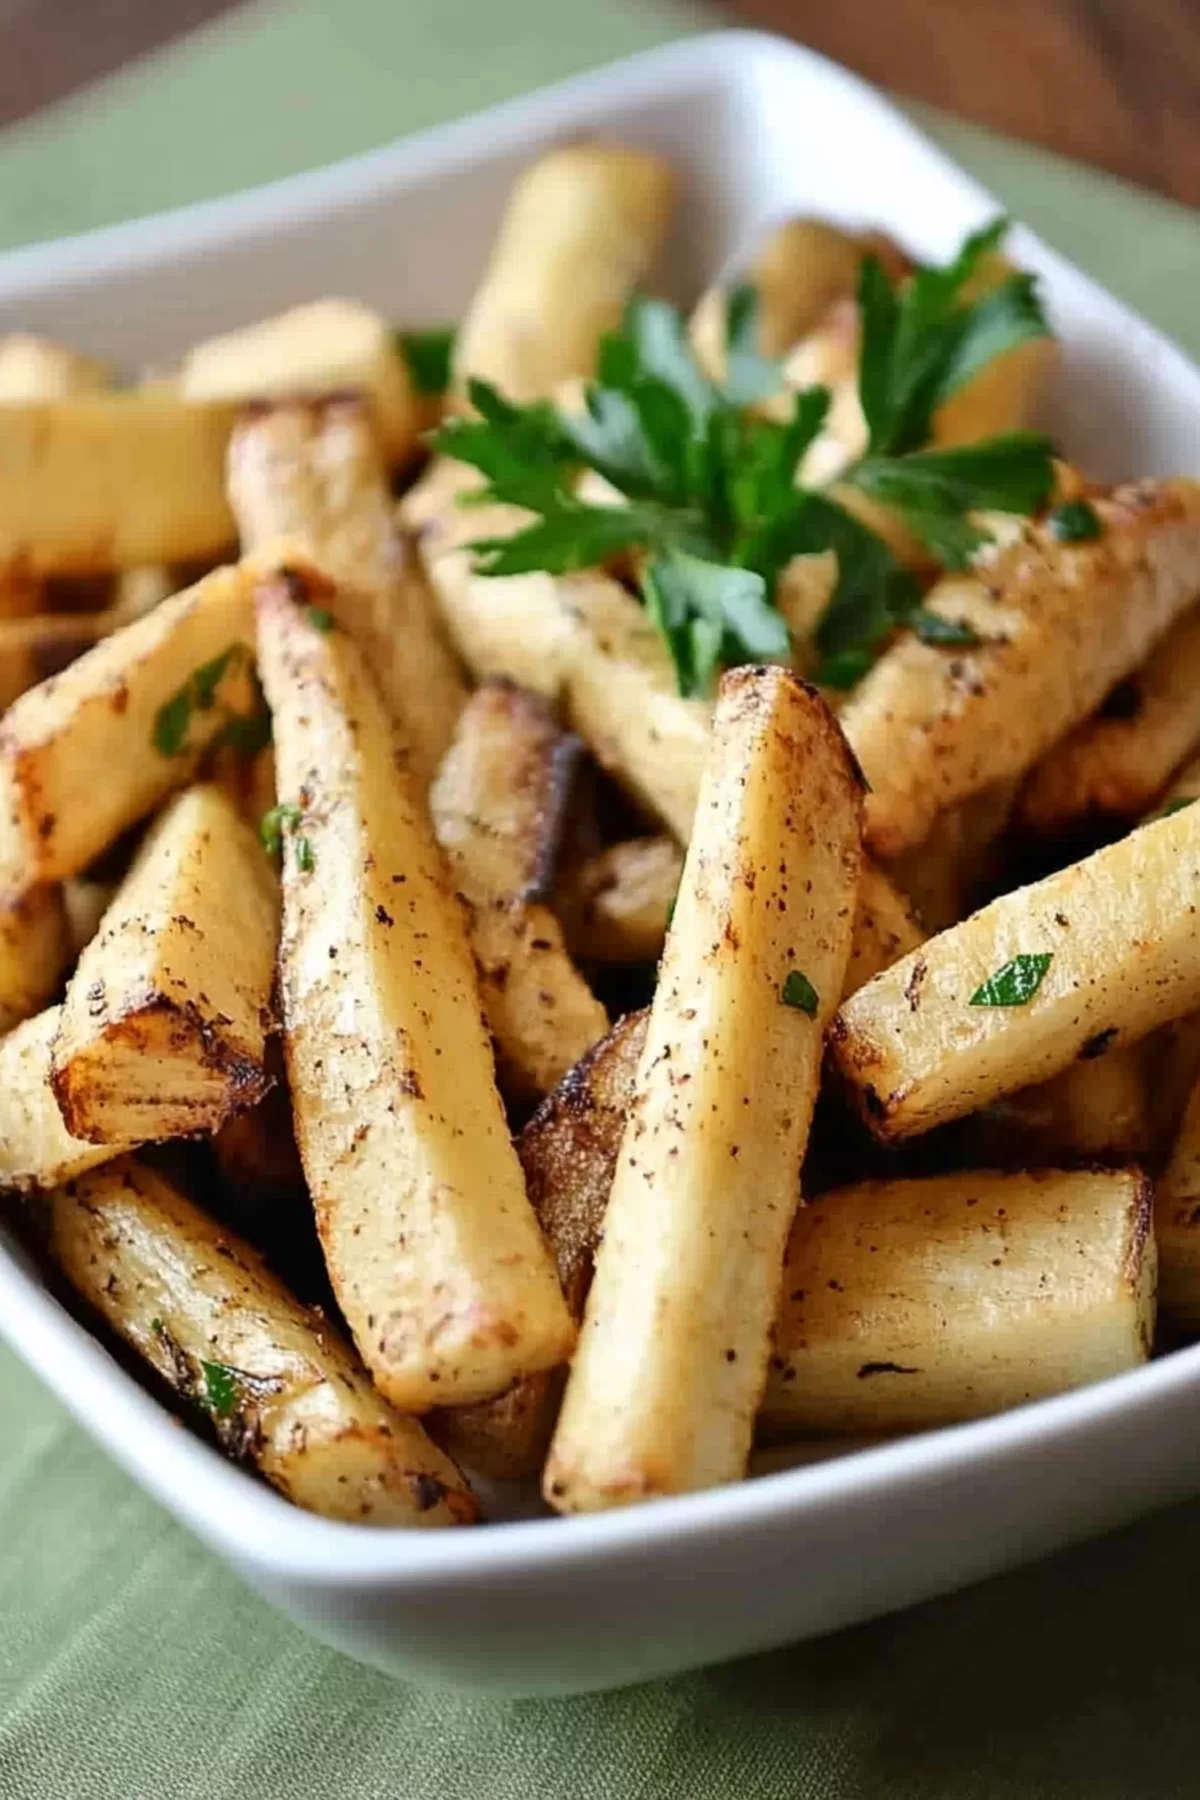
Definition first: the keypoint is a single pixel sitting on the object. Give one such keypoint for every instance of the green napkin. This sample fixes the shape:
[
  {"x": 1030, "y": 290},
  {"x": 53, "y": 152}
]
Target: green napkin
[{"x": 132, "y": 1666}]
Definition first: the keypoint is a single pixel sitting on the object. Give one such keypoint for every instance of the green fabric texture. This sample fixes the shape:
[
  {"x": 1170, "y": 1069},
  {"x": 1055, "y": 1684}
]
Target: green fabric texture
[{"x": 132, "y": 1666}]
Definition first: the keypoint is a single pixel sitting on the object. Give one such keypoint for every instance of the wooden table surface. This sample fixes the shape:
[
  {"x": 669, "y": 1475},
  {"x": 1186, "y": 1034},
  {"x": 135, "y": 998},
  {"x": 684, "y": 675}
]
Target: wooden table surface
[{"x": 1112, "y": 82}]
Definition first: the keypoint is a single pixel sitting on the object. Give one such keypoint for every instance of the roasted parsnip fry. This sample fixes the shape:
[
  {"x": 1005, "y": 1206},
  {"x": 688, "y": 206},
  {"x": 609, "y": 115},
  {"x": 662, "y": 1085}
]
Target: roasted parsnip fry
[
  {"x": 36, "y": 1149},
  {"x": 943, "y": 874},
  {"x": 22, "y": 595},
  {"x": 885, "y": 928},
  {"x": 673, "y": 1352},
  {"x": 801, "y": 268},
  {"x": 35, "y": 648},
  {"x": 138, "y": 591},
  {"x": 1172, "y": 1061},
  {"x": 256, "y": 1154},
  {"x": 164, "y": 1025},
  {"x": 1177, "y": 1225},
  {"x": 85, "y": 902},
  {"x": 109, "y": 480},
  {"x": 1006, "y": 394},
  {"x": 497, "y": 807},
  {"x": 1117, "y": 763},
  {"x": 325, "y": 347},
  {"x": 1183, "y": 789},
  {"x": 36, "y": 368},
  {"x": 582, "y": 227},
  {"x": 1060, "y": 624},
  {"x": 912, "y": 1304},
  {"x": 623, "y": 699},
  {"x": 1097, "y": 1110},
  {"x": 312, "y": 473},
  {"x": 512, "y": 625},
  {"x": 432, "y": 1247},
  {"x": 1091, "y": 958},
  {"x": 35, "y": 946},
  {"x": 584, "y": 638},
  {"x": 277, "y": 1383},
  {"x": 139, "y": 708},
  {"x": 569, "y": 1151},
  {"x": 615, "y": 906}
]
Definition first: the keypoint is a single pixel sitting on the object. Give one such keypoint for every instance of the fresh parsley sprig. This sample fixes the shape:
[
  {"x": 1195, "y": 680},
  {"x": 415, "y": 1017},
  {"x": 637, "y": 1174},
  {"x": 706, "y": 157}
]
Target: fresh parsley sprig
[{"x": 708, "y": 491}]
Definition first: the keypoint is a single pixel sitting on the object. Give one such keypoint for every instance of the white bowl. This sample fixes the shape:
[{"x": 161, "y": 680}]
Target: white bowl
[{"x": 757, "y": 128}]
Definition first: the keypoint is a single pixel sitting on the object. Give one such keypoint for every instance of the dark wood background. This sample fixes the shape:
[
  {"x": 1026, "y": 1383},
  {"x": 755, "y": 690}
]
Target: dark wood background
[{"x": 1112, "y": 82}]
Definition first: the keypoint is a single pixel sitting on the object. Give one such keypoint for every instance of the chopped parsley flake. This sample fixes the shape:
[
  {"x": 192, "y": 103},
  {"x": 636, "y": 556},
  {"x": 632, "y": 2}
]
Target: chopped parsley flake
[
  {"x": 1075, "y": 522},
  {"x": 1016, "y": 983},
  {"x": 220, "y": 1388},
  {"x": 798, "y": 991}
]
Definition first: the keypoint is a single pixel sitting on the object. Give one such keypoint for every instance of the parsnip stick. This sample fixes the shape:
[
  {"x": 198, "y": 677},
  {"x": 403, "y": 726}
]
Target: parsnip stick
[{"x": 673, "y": 1352}]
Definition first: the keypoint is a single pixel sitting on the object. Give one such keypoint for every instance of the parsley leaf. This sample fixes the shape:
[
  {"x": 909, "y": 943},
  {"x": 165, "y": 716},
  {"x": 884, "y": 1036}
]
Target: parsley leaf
[
  {"x": 1178, "y": 805},
  {"x": 273, "y": 825},
  {"x": 708, "y": 495},
  {"x": 798, "y": 991},
  {"x": 932, "y": 628},
  {"x": 173, "y": 720},
  {"x": 428, "y": 355},
  {"x": 1016, "y": 982},
  {"x": 320, "y": 618},
  {"x": 221, "y": 1387},
  {"x": 749, "y": 375},
  {"x": 934, "y": 491},
  {"x": 709, "y": 614},
  {"x": 1075, "y": 522},
  {"x": 922, "y": 344}
]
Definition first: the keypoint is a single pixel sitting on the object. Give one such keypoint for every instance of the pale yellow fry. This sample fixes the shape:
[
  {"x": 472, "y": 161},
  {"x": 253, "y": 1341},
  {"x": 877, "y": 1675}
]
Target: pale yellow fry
[
  {"x": 913, "y": 1304},
  {"x": 673, "y": 1352}
]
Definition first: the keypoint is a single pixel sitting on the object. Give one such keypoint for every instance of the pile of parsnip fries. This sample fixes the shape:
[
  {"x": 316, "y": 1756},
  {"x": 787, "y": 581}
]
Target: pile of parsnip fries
[{"x": 326, "y": 857}]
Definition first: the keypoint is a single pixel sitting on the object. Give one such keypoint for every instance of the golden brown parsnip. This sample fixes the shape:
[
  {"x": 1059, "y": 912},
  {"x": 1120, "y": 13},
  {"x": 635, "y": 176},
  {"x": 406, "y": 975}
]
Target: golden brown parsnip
[
  {"x": 498, "y": 807},
  {"x": 946, "y": 870},
  {"x": 44, "y": 644},
  {"x": 35, "y": 946},
  {"x": 1183, "y": 788},
  {"x": 312, "y": 473},
  {"x": 616, "y": 905},
  {"x": 568, "y": 1151},
  {"x": 141, "y": 706},
  {"x": 511, "y": 625},
  {"x": 279, "y": 1387},
  {"x": 36, "y": 1149},
  {"x": 85, "y": 901},
  {"x": 885, "y": 928},
  {"x": 623, "y": 699},
  {"x": 323, "y": 347},
  {"x": 164, "y": 1025},
  {"x": 109, "y": 480},
  {"x": 581, "y": 230},
  {"x": 1119, "y": 930},
  {"x": 802, "y": 267},
  {"x": 138, "y": 591},
  {"x": 1177, "y": 1225},
  {"x": 433, "y": 1250},
  {"x": 913, "y": 1304},
  {"x": 1097, "y": 1110},
  {"x": 1007, "y": 393},
  {"x": 672, "y": 1355},
  {"x": 37, "y": 368},
  {"x": 256, "y": 1155},
  {"x": 1117, "y": 762},
  {"x": 1060, "y": 624}
]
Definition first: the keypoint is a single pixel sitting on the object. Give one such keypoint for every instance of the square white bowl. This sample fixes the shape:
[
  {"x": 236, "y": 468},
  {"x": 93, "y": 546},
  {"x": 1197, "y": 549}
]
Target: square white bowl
[{"x": 757, "y": 128}]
